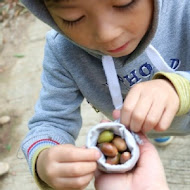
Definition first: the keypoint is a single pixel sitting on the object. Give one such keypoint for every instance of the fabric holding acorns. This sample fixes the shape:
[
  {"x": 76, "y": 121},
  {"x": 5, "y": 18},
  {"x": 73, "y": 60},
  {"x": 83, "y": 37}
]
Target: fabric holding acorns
[{"x": 119, "y": 130}]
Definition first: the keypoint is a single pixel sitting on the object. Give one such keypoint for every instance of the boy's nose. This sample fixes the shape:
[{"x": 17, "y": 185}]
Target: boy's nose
[{"x": 106, "y": 32}]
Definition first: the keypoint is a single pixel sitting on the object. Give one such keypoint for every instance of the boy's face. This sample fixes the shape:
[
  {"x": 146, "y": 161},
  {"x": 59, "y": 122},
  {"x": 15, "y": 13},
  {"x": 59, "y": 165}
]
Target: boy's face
[{"x": 113, "y": 27}]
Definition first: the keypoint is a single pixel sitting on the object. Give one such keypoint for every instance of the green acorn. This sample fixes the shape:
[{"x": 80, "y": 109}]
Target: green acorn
[{"x": 105, "y": 136}]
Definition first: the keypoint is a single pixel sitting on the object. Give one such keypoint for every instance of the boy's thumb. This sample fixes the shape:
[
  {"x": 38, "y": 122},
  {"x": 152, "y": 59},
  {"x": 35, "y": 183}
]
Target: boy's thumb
[{"x": 116, "y": 114}]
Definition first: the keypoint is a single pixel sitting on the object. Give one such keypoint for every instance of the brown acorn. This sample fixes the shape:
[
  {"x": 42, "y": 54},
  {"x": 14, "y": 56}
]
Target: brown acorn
[
  {"x": 113, "y": 160},
  {"x": 108, "y": 149},
  {"x": 120, "y": 144},
  {"x": 125, "y": 156}
]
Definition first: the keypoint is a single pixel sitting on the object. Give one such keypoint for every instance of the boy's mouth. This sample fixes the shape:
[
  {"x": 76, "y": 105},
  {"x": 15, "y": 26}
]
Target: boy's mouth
[{"x": 117, "y": 50}]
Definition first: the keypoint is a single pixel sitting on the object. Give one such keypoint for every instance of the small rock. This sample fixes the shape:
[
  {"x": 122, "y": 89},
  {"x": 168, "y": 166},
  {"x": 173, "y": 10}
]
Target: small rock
[
  {"x": 4, "y": 120},
  {"x": 4, "y": 168}
]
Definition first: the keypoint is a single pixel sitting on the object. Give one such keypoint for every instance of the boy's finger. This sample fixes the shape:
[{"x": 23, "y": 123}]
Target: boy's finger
[
  {"x": 75, "y": 182},
  {"x": 128, "y": 107},
  {"x": 76, "y": 169},
  {"x": 116, "y": 114},
  {"x": 70, "y": 153},
  {"x": 140, "y": 113},
  {"x": 166, "y": 120}
]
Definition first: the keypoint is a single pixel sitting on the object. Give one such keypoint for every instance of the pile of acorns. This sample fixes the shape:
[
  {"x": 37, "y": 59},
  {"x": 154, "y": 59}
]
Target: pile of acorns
[{"x": 113, "y": 147}]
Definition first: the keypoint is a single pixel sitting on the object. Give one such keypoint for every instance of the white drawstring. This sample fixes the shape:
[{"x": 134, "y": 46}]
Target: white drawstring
[
  {"x": 112, "y": 80},
  {"x": 157, "y": 60}
]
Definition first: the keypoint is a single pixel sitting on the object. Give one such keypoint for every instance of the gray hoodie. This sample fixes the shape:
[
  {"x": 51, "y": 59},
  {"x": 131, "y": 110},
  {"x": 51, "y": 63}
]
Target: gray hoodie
[{"x": 72, "y": 73}]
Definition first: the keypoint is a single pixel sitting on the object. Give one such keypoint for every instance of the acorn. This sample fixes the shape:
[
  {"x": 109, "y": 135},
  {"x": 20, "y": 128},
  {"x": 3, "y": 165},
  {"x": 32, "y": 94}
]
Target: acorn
[
  {"x": 108, "y": 149},
  {"x": 120, "y": 144},
  {"x": 125, "y": 156},
  {"x": 113, "y": 160},
  {"x": 105, "y": 136}
]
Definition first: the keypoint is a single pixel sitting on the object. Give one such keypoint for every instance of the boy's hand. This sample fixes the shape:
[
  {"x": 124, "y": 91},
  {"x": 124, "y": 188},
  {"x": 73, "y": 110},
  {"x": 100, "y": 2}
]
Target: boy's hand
[
  {"x": 66, "y": 167},
  {"x": 150, "y": 105}
]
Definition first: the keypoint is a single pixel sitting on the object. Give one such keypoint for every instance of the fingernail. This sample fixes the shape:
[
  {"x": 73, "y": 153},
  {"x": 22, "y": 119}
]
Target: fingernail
[{"x": 98, "y": 154}]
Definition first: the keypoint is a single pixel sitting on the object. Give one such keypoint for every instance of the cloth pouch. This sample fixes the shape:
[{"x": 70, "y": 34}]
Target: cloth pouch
[{"x": 120, "y": 130}]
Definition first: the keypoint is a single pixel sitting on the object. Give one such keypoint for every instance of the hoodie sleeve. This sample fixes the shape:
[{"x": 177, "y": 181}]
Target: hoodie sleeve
[
  {"x": 57, "y": 118},
  {"x": 182, "y": 86}
]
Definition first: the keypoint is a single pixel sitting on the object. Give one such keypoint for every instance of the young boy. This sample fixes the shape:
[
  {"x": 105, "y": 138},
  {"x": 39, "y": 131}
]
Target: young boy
[{"x": 84, "y": 32}]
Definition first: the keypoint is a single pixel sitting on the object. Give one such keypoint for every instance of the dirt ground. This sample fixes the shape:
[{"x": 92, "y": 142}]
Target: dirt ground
[{"x": 21, "y": 54}]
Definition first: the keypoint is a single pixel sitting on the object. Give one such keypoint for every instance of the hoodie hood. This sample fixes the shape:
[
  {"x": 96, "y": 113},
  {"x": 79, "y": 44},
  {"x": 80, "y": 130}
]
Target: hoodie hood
[{"x": 38, "y": 8}]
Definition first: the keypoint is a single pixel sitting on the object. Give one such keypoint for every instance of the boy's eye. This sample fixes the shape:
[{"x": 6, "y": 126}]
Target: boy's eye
[
  {"x": 125, "y": 6},
  {"x": 72, "y": 22}
]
